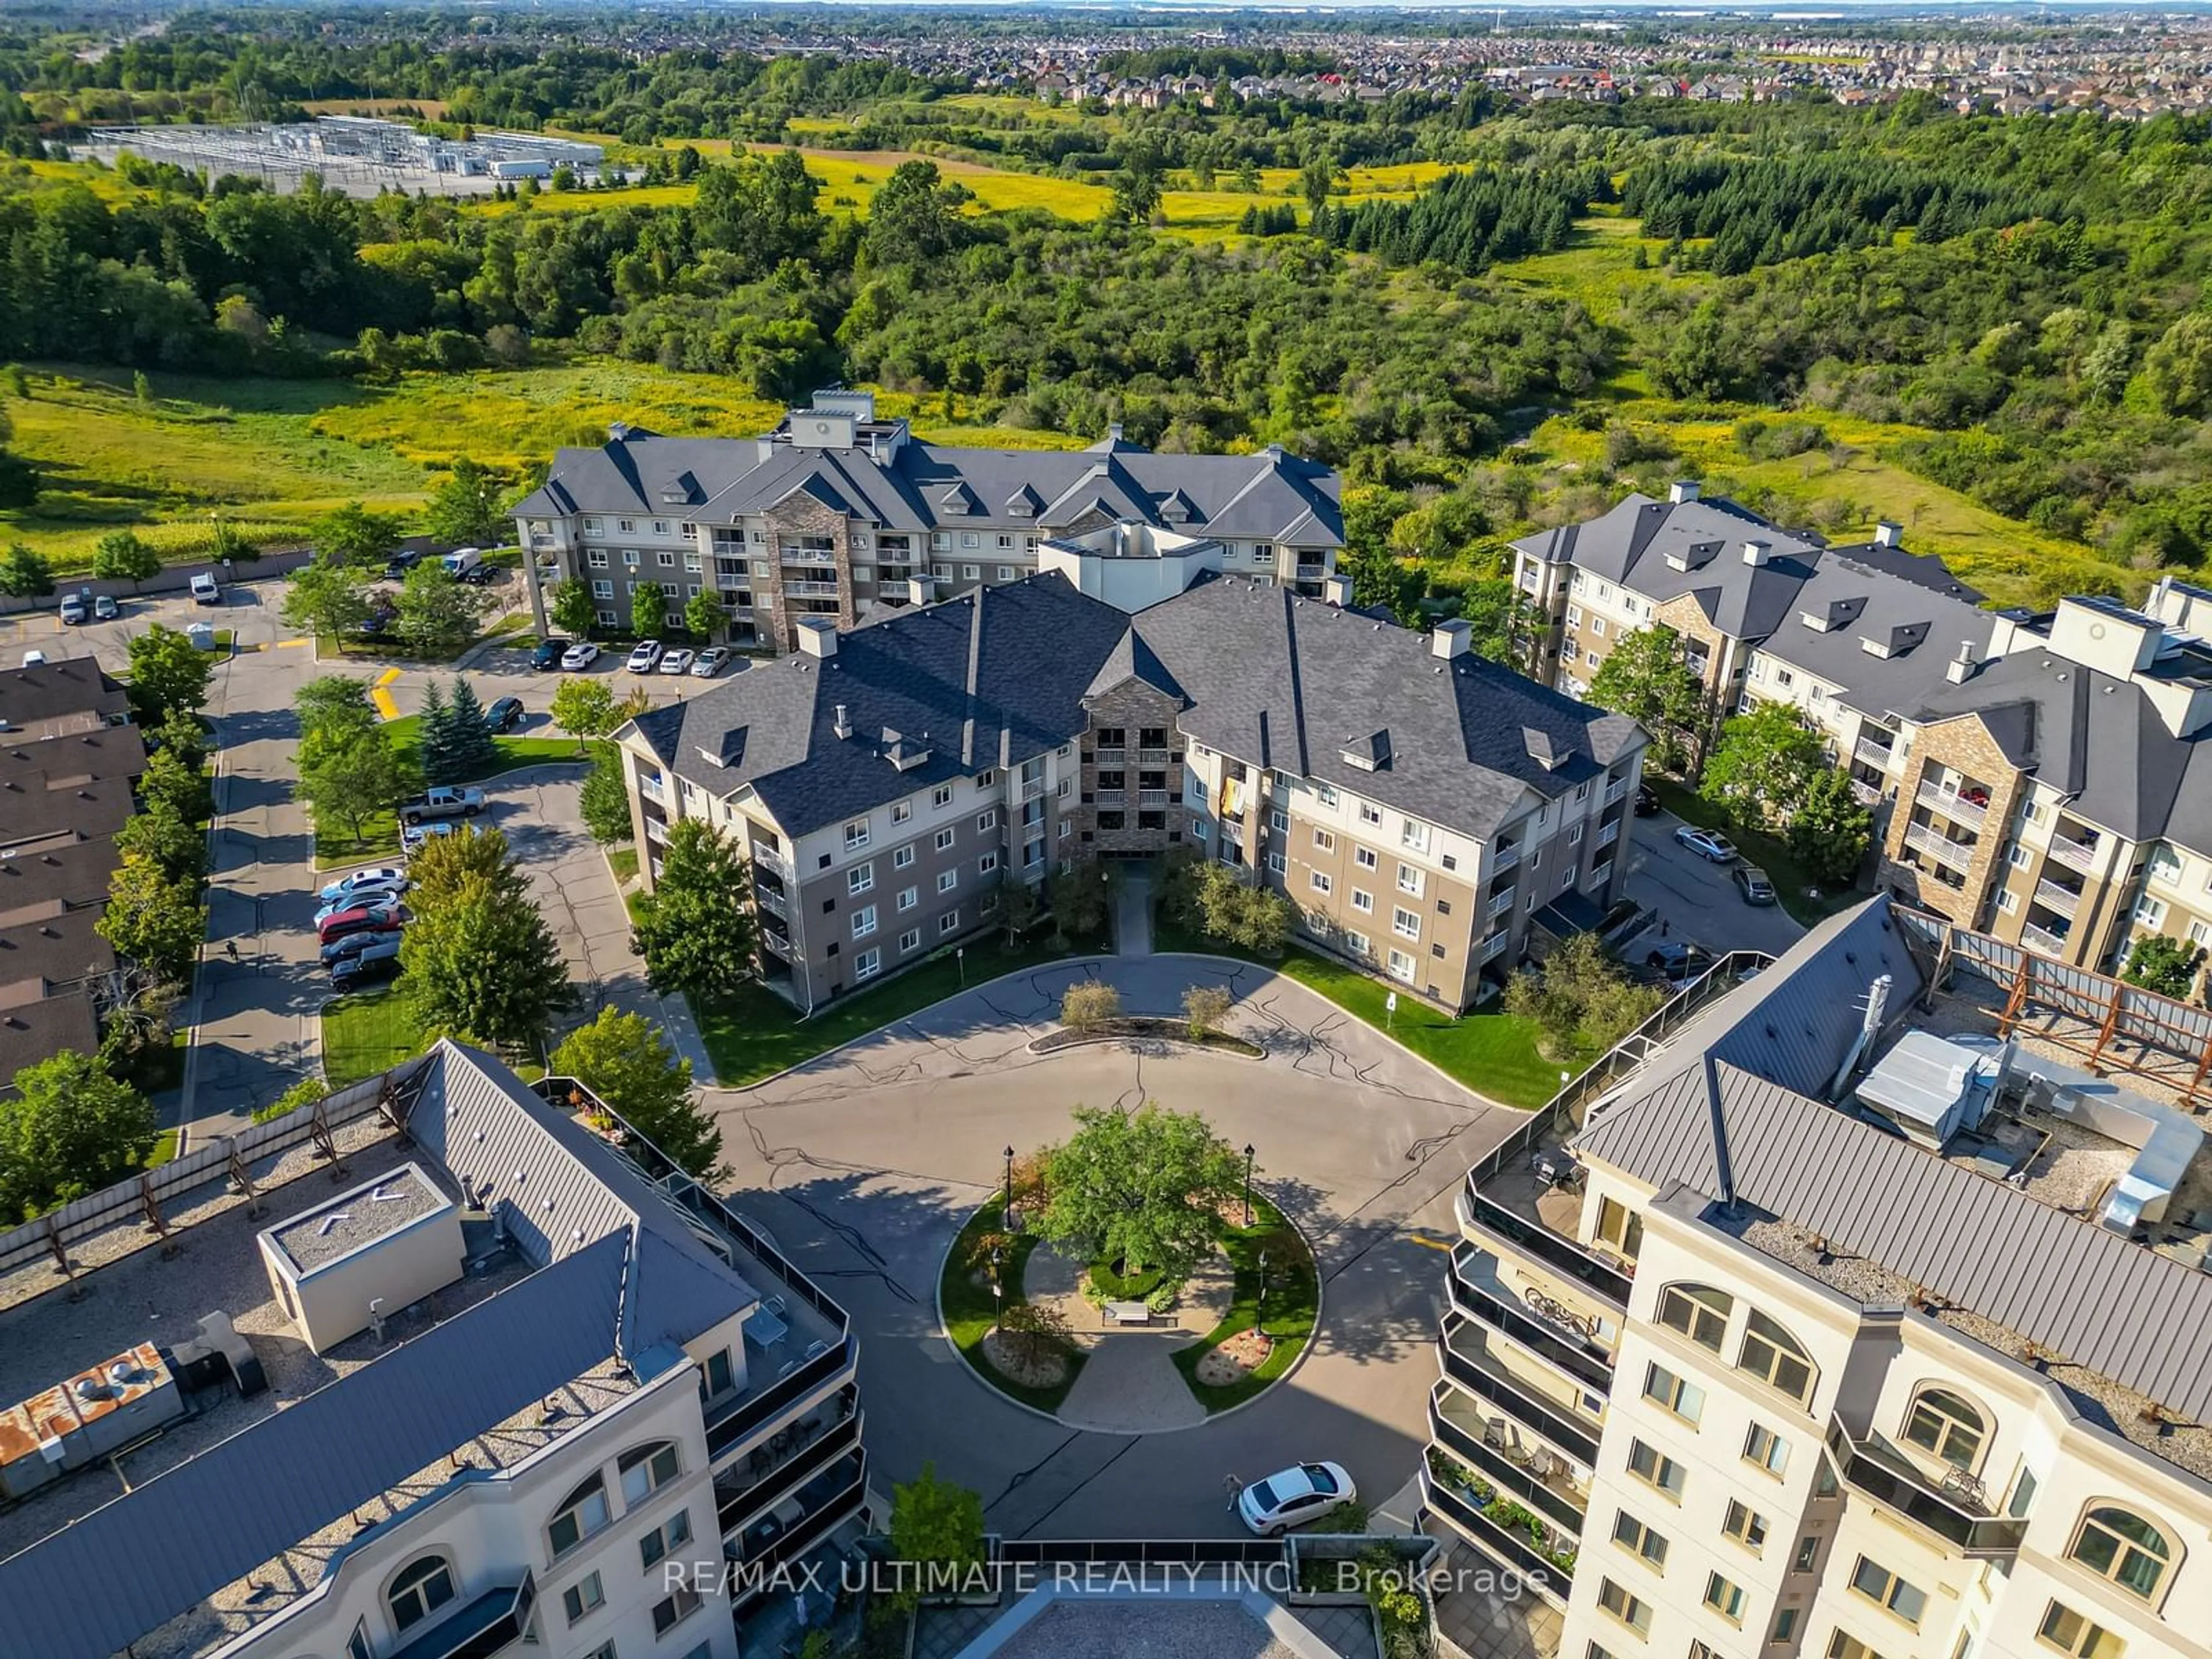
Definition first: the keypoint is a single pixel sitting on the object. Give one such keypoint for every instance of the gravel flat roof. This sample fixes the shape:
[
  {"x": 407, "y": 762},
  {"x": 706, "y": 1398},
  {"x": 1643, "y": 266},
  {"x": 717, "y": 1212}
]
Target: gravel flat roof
[{"x": 340, "y": 1225}]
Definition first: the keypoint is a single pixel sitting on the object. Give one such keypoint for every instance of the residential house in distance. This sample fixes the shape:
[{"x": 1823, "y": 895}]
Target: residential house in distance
[
  {"x": 430, "y": 1368},
  {"x": 840, "y": 515},
  {"x": 1420, "y": 806},
  {"x": 1840, "y": 1325}
]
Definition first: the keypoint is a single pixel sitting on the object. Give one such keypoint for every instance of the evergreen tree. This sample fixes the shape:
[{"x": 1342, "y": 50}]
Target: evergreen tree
[
  {"x": 692, "y": 930},
  {"x": 474, "y": 754},
  {"x": 435, "y": 736},
  {"x": 604, "y": 799}
]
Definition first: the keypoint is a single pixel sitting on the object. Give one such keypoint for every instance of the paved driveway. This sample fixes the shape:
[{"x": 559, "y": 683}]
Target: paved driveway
[
  {"x": 1697, "y": 899},
  {"x": 865, "y": 1164}
]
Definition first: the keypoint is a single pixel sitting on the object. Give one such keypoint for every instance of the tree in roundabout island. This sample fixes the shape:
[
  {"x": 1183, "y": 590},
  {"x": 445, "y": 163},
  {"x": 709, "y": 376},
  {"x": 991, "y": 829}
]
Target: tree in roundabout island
[{"x": 1138, "y": 1195}]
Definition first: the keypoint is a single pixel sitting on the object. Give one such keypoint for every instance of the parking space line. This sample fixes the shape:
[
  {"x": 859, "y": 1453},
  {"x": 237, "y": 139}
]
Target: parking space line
[
  {"x": 380, "y": 694},
  {"x": 286, "y": 645}
]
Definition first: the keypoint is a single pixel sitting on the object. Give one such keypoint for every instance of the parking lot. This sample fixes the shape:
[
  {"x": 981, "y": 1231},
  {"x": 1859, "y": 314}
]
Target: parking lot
[{"x": 1697, "y": 899}]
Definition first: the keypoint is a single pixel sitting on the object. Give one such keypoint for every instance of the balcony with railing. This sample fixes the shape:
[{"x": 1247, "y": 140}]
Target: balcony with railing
[
  {"x": 1156, "y": 798},
  {"x": 1526, "y": 1217},
  {"x": 1513, "y": 1547},
  {"x": 1532, "y": 1476},
  {"x": 1463, "y": 1353},
  {"x": 1109, "y": 755},
  {"x": 1960, "y": 806},
  {"x": 1953, "y": 854},
  {"x": 811, "y": 590},
  {"x": 1504, "y": 854},
  {"x": 1880, "y": 756},
  {"x": 1500, "y": 902},
  {"x": 1616, "y": 790},
  {"x": 2059, "y": 897},
  {"x": 1563, "y": 1337},
  {"x": 478, "y": 1628},
  {"x": 1953, "y": 1507},
  {"x": 1608, "y": 832},
  {"x": 767, "y": 857},
  {"x": 759, "y": 1482},
  {"x": 771, "y": 899},
  {"x": 2042, "y": 939},
  {"x": 1865, "y": 793},
  {"x": 805, "y": 1517},
  {"x": 2078, "y": 848},
  {"x": 1152, "y": 757},
  {"x": 1110, "y": 797},
  {"x": 1494, "y": 946}
]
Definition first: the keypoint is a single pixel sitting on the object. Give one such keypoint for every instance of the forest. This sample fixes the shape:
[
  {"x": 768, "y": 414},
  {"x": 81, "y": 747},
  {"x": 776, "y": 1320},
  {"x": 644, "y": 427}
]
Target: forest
[{"x": 2011, "y": 312}]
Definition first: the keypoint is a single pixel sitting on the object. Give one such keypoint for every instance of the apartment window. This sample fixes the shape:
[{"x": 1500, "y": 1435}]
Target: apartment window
[
  {"x": 1785, "y": 1625},
  {"x": 909, "y": 940},
  {"x": 1325, "y": 840},
  {"x": 1405, "y": 924},
  {"x": 1414, "y": 836},
  {"x": 986, "y": 779},
  {"x": 909, "y": 897},
  {"x": 1363, "y": 857},
  {"x": 1655, "y": 1468},
  {"x": 903, "y": 857},
  {"x": 587, "y": 1595},
  {"x": 1007, "y": 572},
  {"x": 1809, "y": 1551},
  {"x": 1409, "y": 880},
  {"x": 1885, "y": 1589},
  {"x": 1574, "y": 616},
  {"x": 1591, "y": 659},
  {"x": 1356, "y": 943},
  {"x": 1766, "y": 1449},
  {"x": 2123, "y": 1547},
  {"x": 2007, "y": 901},
  {"x": 1320, "y": 881},
  {"x": 2070, "y": 1632},
  {"x": 646, "y": 1469},
  {"x": 987, "y": 863},
  {"x": 673, "y": 1610},
  {"x": 942, "y": 572},
  {"x": 869, "y": 963},
  {"x": 630, "y": 557},
  {"x": 1597, "y": 623},
  {"x": 944, "y": 840},
  {"x": 1400, "y": 967},
  {"x": 357, "y": 1646},
  {"x": 1841, "y": 1646},
  {"x": 596, "y": 558},
  {"x": 665, "y": 1539},
  {"x": 420, "y": 1591},
  {"x": 949, "y": 922},
  {"x": 941, "y": 796},
  {"x": 863, "y": 921},
  {"x": 1594, "y": 1651},
  {"x": 856, "y": 834},
  {"x": 860, "y": 878},
  {"x": 1747, "y": 1526},
  {"x": 668, "y": 560},
  {"x": 1575, "y": 834},
  {"x": 901, "y": 811},
  {"x": 1624, "y": 1606},
  {"x": 584, "y": 1512},
  {"x": 1619, "y": 1227},
  {"x": 1639, "y": 1540},
  {"x": 1276, "y": 866},
  {"x": 1369, "y": 813},
  {"x": 719, "y": 1378},
  {"x": 970, "y": 573},
  {"x": 1262, "y": 553},
  {"x": 1663, "y": 1389},
  {"x": 2151, "y": 912},
  {"x": 947, "y": 880},
  {"x": 603, "y": 589},
  {"x": 1942, "y": 1422},
  {"x": 1725, "y": 1597},
  {"x": 1774, "y": 1357},
  {"x": 985, "y": 821},
  {"x": 1698, "y": 1311}
]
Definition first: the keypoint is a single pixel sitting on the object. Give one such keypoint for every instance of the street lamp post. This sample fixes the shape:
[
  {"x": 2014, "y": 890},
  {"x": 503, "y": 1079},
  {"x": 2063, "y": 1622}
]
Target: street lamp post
[
  {"x": 1247, "y": 1183},
  {"x": 1260, "y": 1301},
  {"x": 960, "y": 956},
  {"x": 1006, "y": 1209}
]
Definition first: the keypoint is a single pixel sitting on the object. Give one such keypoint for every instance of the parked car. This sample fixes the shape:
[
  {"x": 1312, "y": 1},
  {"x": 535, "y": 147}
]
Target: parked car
[
  {"x": 1707, "y": 843},
  {"x": 547, "y": 652},
  {"x": 402, "y": 561},
  {"x": 1647, "y": 801},
  {"x": 461, "y": 562},
  {"x": 644, "y": 657},
  {"x": 1751, "y": 881},
  {"x": 366, "y": 966},
  {"x": 34, "y": 659},
  {"x": 381, "y": 875},
  {"x": 1680, "y": 958},
  {"x": 710, "y": 662},
  {"x": 73, "y": 610},
  {"x": 361, "y": 919},
  {"x": 206, "y": 590},
  {"x": 582, "y": 654},
  {"x": 1302, "y": 1493},
  {"x": 441, "y": 801},
  {"x": 677, "y": 662},
  {"x": 382, "y": 614},
  {"x": 360, "y": 898},
  {"x": 105, "y": 609},
  {"x": 412, "y": 837},
  {"x": 347, "y": 944},
  {"x": 504, "y": 715}
]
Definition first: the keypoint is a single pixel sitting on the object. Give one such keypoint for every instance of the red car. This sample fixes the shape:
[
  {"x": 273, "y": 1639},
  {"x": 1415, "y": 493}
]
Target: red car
[{"x": 362, "y": 919}]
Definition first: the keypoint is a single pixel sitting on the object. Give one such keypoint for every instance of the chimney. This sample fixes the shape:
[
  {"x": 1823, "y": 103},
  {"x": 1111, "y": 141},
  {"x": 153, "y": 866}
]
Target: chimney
[
  {"x": 1961, "y": 668},
  {"x": 1275, "y": 452},
  {"x": 1337, "y": 590},
  {"x": 1682, "y": 489},
  {"x": 921, "y": 590},
  {"x": 844, "y": 727},
  {"x": 1758, "y": 554},
  {"x": 1113, "y": 432},
  {"x": 1449, "y": 639},
  {"x": 618, "y": 432},
  {"x": 817, "y": 636},
  {"x": 1888, "y": 533}
]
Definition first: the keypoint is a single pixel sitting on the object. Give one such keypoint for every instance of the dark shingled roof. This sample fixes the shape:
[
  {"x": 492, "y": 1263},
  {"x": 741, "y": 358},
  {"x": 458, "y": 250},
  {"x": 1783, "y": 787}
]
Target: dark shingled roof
[
  {"x": 31, "y": 809},
  {"x": 991, "y": 679},
  {"x": 39, "y": 1030},
  {"x": 31, "y": 697},
  {"x": 59, "y": 950},
  {"x": 72, "y": 873},
  {"x": 110, "y": 751}
]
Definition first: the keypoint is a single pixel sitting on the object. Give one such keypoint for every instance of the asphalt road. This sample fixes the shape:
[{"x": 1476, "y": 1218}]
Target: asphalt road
[{"x": 1697, "y": 899}]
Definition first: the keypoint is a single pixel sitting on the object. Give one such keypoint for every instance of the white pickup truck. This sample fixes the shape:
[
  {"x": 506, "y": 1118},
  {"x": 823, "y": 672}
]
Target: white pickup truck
[{"x": 441, "y": 801}]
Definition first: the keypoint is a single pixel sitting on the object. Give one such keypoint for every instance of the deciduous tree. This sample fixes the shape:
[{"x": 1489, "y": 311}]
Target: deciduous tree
[
  {"x": 1088, "y": 1003},
  {"x": 1206, "y": 1007},
  {"x": 325, "y": 598},
  {"x": 1143, "y": 1189},
  {"x": 572, "y": 609},
  {"x": 692, "y": 930},
  {"x": 353, "y": 535},
  {"x": 437, "y": 613},
  {"x": 168, "y": 673},
  {"x": 153, "y": 919},
  {"x": 604, "y": 799},
  {"x": 333, "y": 702},
  {"x": 649, "y": 611},
  {"x": 350, "y": 775},
  {"x": 1831, "y": 831},
  {"x": 25, "y": 574},
  {"x": 159, "y": 833},
  {"x": 625, "y": 1061},
  {"x": 703, "y": 616},
  {"x": 1580, "y": 996},
  {"x": 122, "y": 557},
  {"x": 937, "y": 1528},
  {"x": 479, "y": 962},
  {"x": 2167, "y": 966},
  {"x": 1647, "y": 677},
  {"x": 69, "y": 1130},
  {"x": 465, "y": 507},
  {"x": 584, "y": 708},
  {"x": 1761, "y": 764}
]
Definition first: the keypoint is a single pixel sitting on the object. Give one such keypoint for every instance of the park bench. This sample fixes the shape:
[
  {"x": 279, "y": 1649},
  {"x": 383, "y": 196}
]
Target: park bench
[{"x": 1126, "y": 1313}]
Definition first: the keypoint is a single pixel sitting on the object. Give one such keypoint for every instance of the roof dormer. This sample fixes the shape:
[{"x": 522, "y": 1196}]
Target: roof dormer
[
  {"x": 958, "y": 501},
  {"x": 1893, "y": 641},
  {"x": 1370, "y": 753},
  {"x": 1835, "y": 614}
]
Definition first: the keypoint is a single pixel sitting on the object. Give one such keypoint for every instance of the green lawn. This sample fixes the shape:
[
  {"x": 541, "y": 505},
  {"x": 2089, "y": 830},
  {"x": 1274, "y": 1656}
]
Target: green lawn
[
  {"x": 1293, "y": 1302},
  {"x": 623, "y": 861},
  {"x": 365, "y": 1035},
  {"x": 512, "y": 752},
  {"x": 1790, "y": 879},
  {"x": 970, "y": 1309},
  {"x": 380, "y": 839},
  {"x": 165, "y": 1149},
  {"x": 1491, "y": 1052},
  {"x": 757, "y": 1035}
]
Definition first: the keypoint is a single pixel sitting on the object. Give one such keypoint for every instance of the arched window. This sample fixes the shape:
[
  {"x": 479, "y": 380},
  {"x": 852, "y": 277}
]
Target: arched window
[
  {"x": 1773, "y": 1356},
  {"x": 422, "y": 1588},
  {"x": 582, "y": 1513},
  {"x": 1941, "y": 1422},
  {"x": 1698, "y": 1311},
  {"x": 2123, "y": 1547},
  {"x": 645, "y": 1470}
]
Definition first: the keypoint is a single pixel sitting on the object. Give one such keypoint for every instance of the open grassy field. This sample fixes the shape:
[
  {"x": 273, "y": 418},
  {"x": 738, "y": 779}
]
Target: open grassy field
[{"x": 364, "y": 1034}]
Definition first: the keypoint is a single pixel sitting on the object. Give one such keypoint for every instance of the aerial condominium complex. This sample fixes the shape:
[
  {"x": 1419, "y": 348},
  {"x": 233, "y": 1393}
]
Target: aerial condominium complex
[
  {"x": 1421, "y": 807},
  {"x": 840, "y": 515},
  {"x": 431, "y": 1370},
  {"x": 2040, "y": 776},
  {"x": 1851, "y": 1319}
]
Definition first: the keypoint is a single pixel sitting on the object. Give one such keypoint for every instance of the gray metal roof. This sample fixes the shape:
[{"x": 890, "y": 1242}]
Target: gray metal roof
[{"x": 2127, "y": 1313}]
